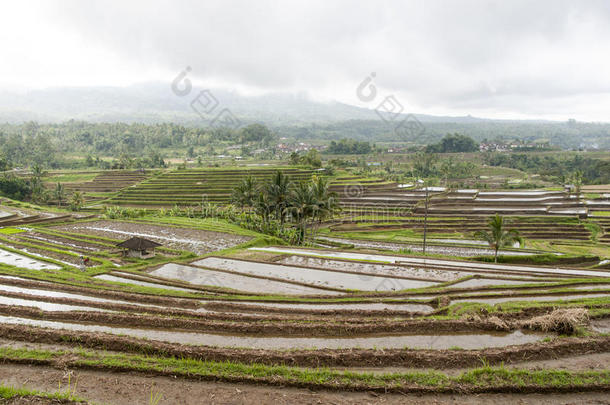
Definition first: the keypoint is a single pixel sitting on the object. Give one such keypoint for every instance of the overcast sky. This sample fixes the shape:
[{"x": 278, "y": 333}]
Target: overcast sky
[{"x": 505, "y": 59}]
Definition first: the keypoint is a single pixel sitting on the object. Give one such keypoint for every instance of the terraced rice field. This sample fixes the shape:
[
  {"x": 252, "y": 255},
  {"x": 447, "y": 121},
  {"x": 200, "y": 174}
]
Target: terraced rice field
[
  {"x": 286, "y": 316},
  {"x": 196, "y": 241},
  {"x": 194, "y": 186}
]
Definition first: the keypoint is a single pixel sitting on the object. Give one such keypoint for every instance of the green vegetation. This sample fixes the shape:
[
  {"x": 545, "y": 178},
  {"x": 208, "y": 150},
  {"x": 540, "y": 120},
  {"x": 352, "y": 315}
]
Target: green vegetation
[
  {"x": 560, "y": 166},
  {"x": 68, "y": 177},
  {"x": 305, "y": 203},
  {"x": 8, "y": 392},
  {"x": 476, "y": 380},
  {"x": 194, "y": 187},
  {"x": 10, "y": 231},
  {"x": 453, "y": 143},
  {"x": 349, "y": 147},
  {"x": 498, "y": 236}
]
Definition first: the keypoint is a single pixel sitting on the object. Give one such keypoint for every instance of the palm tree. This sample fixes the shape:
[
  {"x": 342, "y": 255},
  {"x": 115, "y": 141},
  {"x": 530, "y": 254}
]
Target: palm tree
[
  {"x": 263, "y": 205},
  {"x": 244, "y": 195},
  {"x": 77, "y": 201},
  {"x": 278, "y": 192},
  {"x": 59, "y": 193},
  {"x": 302, "y": 206},
  {"x": 498, "y": 236},
  {"x": 37, "y": 171},
  {"x": 327, "y": 201}
]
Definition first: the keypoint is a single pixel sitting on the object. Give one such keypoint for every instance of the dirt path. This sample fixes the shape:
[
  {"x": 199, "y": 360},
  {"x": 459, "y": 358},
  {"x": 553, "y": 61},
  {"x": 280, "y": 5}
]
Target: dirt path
[{"x": 130, "y": 388}]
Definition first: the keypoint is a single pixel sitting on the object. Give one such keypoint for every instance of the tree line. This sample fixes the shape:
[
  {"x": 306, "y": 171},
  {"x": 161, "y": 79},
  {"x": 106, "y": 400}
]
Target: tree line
[
  {"x": 302, "y": 204},
  {"x": 45, "y": 144},
  {"x": 560, "y": 166}
]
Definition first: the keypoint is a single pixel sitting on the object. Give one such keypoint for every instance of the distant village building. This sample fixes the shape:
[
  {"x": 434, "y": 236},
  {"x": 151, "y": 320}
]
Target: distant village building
[
  {"x": 517, "y": 145},
  {"x": 298, "y": 147},
  {"x": 138, "y": 247}
]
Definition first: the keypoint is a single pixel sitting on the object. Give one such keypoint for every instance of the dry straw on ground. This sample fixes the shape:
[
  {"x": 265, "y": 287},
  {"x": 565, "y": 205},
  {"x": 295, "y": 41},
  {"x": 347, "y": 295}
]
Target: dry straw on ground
[{"x": 565, "y": 321}]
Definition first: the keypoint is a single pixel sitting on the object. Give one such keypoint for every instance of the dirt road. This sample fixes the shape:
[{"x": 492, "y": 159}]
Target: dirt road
[{"x": 130, "y": 388}]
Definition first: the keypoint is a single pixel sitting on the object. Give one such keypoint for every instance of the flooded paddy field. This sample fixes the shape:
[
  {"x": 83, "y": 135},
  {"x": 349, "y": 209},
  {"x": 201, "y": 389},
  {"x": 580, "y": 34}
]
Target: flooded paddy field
[
  {"x": 533, "y": 297},
  {"x": 111, "y": 277},
  {"x": 465, "y": 341},
  {"x": 375, "y": 306},
  {"x": 490, "y": 267},
  {"x": 484, "y": 282},
  {"x": 57, "y": 294},
  {"x": 45, "y": 306},
  {"x": 337, "y": 279},
  {"x": 193, "y": 240},
  {"x": 439, "y": 275},
  {"x": 14, "y": 259},
  {"x": 295, "y": 306},
  {"x": 206, "y": 277},
  {"x": 464, "y": 251}
]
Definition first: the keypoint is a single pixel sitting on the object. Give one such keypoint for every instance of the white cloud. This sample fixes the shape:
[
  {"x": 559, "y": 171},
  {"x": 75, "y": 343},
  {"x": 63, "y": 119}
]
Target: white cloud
[{"x": 515, "y": 58}]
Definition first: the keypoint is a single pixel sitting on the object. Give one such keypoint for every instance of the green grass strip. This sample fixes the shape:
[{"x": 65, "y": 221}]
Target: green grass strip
[{"x": 480, "y": 380}]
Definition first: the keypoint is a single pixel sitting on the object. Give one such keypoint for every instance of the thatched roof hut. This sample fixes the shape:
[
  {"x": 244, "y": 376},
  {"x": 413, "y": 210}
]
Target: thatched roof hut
[{"x": 138, "y": 247}]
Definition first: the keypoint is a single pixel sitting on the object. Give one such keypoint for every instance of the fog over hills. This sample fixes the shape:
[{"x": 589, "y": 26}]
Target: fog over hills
[
  {"x": 155, "y": 102},
  {"x": 291, "y": 115}
]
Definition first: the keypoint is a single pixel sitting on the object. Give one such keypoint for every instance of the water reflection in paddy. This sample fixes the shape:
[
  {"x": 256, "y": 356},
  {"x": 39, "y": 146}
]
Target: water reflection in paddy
[{"x": 465, "y": 341}]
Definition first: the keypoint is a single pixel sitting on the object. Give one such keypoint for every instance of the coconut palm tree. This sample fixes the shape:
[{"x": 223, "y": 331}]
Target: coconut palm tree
[
  {"x": 77, "y": 201},
  {"x": 498, "y": 236},
  {"x": 263, "y": 205},
  {"x": 278, "y": 192},
  {"x": 59, "y": 193},
  {"x": 245, "y": 194},
  {"x": 327, "y": 201},
  {"x": 302, "y": 206}
]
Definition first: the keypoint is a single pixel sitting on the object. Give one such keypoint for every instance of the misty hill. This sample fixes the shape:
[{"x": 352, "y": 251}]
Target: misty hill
[
  {"x": 155, "y": 102},
  {"x": 294, "y": 116}
]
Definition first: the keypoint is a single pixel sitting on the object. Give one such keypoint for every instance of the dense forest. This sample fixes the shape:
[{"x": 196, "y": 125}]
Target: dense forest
[
  {"x": 558, "y": 165},
  {"x": 572, "y": 135},
  {"x": 453, "y": 144},
  {"x": 141, "y": 145},
  {"x": 47, "y": 145},
  {"x": 349, "y": 147}
]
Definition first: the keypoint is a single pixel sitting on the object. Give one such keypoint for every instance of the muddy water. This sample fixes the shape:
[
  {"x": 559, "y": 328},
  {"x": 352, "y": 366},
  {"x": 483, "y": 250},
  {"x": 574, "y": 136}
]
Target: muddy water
[
  {"x": 109, "y": 277},
  {"x": 464, "y": 251},
  {"x": 378, "y": 306},
  {"x": 12, "y": 277},
  {"x": 492, "y": 301},
  {"x": 482, "y": 282},
  {"x": 25, "y": 262},
  {"x": 464, "y": 341},
  {"x": 601, "y": 325},
  {"x": 58, "y": 294},
  {"x": 46, "y": 306},
  {"x": 433, "y": 262},
  {"x": 590, "y": 287},
  {"x": 362, "y": 282},
  {"x": 376, "y": 268},
  {"x": 199, "y": 276}
]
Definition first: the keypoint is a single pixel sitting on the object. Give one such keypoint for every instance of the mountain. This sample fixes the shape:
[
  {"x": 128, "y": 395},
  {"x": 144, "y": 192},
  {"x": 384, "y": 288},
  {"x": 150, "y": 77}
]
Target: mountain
[{"x": 155, "y": 102}]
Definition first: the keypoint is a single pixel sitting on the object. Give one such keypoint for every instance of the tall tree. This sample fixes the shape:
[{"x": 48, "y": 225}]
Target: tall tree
[
  {"x": 303, "y": 206},
  {"x": 59, "y": 193},
  {"x": 327, "y": 201},
  {"x": 245, "y": 194},
  {"x": 498, "y": 236},
  {"x": 77, "y": 201},
  {"x": 278, "y": 191}
]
